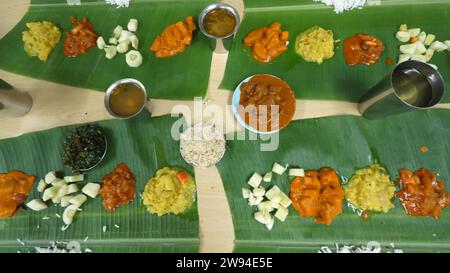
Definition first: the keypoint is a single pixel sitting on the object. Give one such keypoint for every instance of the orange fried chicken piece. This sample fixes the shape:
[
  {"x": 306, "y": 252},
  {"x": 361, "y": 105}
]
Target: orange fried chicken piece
[
  {"x": 318, "y": 194},
  {"x": 14, "y": 189},
  {"x": 267, "y": 43},
  {"x": 174, "y": 39}
]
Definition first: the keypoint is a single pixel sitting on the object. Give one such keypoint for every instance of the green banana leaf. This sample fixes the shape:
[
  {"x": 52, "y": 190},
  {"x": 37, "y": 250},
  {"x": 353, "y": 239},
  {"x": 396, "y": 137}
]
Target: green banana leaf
[
  {"x": 334, "y": 79},
  {"x": 344, "y": 143},
  {"x": 181, "y": 77},
  {"x": 144, "y": 146}
]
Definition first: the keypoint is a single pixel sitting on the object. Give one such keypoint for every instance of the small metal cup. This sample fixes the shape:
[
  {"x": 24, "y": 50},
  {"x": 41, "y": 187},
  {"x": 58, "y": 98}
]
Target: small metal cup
[
  {"x": 219, "y": 44},
  {"x": 13, "y": 103},
  {"x": 387, "y": 98},
  {"x": 141, "y": 114}
]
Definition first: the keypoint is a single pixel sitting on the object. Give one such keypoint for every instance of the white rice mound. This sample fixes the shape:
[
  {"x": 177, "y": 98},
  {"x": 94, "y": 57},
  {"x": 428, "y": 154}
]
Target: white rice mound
[
  {"x": 119, "y": 3},
  {"x": 342, "y": 5}
]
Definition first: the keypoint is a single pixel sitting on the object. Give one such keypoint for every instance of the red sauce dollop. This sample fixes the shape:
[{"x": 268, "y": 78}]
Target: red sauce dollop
[
  {"x": 362, "y": 49},
  {"x": 80, "y": 39},
  {"x": 118, "y": 188},
  {"x": 422, "y": 194}
]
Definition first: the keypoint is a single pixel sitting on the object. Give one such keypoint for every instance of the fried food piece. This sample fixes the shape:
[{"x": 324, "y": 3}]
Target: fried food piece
[
  {"x": 318, "y": 194},
  {"x": 174, "y": 39},
  {"x": 14, "y": 189},
  {"x": 80, "y": 39},
  {"x": 422, "y": 195},
  {"x": 267, "y": 43},
  {"x": 118, "y": 188}
]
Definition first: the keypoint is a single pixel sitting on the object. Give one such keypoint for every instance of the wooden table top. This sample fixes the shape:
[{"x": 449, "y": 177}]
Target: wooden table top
[{"x": 53, "y": 108}]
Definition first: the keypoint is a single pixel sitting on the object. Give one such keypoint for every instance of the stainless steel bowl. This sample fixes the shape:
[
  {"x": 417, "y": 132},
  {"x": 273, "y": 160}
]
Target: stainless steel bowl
[
  {"x": 219, "y": 44},
  {"x": 212, "y": 7},
  {"x": 111, "y": 89}
]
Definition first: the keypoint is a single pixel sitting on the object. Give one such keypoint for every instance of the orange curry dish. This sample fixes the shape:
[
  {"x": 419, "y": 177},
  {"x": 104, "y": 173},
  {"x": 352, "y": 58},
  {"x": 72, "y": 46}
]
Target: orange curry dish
[
  {"x": 362, "y": 49},
  {"x": 422, "y": 194},
  {"x": 118, "y": 188},
  {"x": 266, "y": 103},
  {"x": 318, "y": 194},
  {"x": 174, "y": 39},
  {"x": 80, "y": 39},
  {"x": 267, "y": 43},
  {"x": 14, "y": 189}
]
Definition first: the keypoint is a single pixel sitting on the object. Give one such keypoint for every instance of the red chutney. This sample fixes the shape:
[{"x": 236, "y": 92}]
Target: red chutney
[
  {"x": 118, "y": 188},
  {"x": 422, "y": 195},
  {"x": 80, "y": 39},
  {"x": 362, "y": 49}
]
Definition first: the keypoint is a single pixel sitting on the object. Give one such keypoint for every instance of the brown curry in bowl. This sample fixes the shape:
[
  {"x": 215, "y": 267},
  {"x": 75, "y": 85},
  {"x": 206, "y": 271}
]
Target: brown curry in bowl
[{"x": 266, "y": 103}]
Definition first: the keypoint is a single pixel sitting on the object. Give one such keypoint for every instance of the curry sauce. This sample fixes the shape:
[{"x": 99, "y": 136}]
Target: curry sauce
[
  {"x": 266, "y": 103},
  {"x": 126, "y": 99},
  {"x": 219, "y": 23}
]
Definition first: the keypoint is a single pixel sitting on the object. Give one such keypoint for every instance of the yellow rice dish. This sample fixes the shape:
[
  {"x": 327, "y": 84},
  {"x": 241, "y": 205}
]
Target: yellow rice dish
[
  {"x": 371, "y": 189},
  {"x": 170, "y": 191},
  {"x": 315, "y": 44},
  {"x": 40, "y": 39}
]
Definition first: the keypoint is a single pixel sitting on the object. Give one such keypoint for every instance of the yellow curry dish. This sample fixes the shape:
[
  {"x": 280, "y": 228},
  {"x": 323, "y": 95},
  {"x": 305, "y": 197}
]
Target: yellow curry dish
[
  {"x": 170, "y": 191},
  {"x": 371, "y": 189},
  {"x": 40, "y": 39},
  {"x": 315, "y": 45}
]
